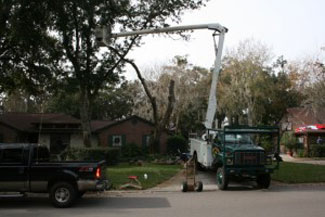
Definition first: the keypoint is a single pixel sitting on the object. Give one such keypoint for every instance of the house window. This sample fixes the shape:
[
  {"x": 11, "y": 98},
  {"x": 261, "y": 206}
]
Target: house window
[
  {"x": 289, "y": 126},
  {"x": 146, "y": 140},
  {"x": 117, "y": 141},
  {"x": 284, "y": 126}
]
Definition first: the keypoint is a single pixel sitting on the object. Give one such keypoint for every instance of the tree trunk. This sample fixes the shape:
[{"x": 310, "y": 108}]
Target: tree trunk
[
  {"x": 250, "y": 116},
  {"x": 85, "y": 117},
  {"x": 159, "y": 126},
  {"x": 155, "y": 145},
  {"x": 220, "y": 118},
  {"x": 177, "y": 130},
  {"x": 162, "y": 125}
]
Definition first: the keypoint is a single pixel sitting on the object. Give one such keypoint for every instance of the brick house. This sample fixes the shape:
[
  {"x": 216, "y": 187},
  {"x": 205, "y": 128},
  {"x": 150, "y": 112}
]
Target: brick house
[
  {"x": 298, "y": 117},
  {"x": 59, "y": 131}
]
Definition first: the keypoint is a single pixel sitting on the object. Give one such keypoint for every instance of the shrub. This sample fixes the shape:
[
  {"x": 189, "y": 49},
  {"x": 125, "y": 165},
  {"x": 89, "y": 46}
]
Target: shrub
[
  {"x": 94, "y": 154},
  {"x": 175, "y": 143},
  {"x": 267, "y": 144},
  {"x": 289, "y": 140},
  {"x": 132, "y": 150},
  {"x": 317, "y": 150},
  {"x": 301, "y": 153}
]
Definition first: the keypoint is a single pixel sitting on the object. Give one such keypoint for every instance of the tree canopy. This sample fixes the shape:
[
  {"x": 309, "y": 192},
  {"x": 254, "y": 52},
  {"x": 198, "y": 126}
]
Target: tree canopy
[{"x": 57, "y": 45}]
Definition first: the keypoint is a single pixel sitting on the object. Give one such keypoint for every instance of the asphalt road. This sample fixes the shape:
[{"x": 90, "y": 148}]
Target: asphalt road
[{"x": 295, "y": 201}]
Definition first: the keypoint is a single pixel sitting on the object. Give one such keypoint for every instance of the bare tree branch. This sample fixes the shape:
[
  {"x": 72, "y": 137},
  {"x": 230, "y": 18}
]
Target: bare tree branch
[{"x": 144, "y": 84}]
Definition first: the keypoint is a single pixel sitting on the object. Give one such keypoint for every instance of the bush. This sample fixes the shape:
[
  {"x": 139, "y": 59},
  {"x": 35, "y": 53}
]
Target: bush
[
  {"x": 301, "y": 153},
  {"x": 267, "y": 144},
  {"x": 94, "y": 154},
  {"x": 175, "y": 143},
  {"x": 317, "y": 150},
  {"x": 132, "y": 150},
  {"x": 289, "y": 140}
]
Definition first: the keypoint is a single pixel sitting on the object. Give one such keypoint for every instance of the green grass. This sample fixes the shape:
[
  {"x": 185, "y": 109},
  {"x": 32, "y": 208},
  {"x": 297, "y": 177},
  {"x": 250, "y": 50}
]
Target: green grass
[
  {"x": 299, "y": 173},
  {"x": 156, "y": 174}
]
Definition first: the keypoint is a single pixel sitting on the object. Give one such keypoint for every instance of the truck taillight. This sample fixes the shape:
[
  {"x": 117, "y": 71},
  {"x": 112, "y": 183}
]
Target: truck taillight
[{"x": 98, "y": 173}]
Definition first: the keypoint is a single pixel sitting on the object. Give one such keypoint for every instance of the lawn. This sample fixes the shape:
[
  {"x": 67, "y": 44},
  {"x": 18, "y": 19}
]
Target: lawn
[
  {"x": 299, "y": 173},
  {"x": 156, "y": 174}
]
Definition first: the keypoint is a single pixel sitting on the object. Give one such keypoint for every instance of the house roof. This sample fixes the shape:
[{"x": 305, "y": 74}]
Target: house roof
[
  {"x": 113, "y": 123},
  {"x": 100, "y": 124},
  {"x": 300, "y": 116},
  {"x": 25, "y": 121}
]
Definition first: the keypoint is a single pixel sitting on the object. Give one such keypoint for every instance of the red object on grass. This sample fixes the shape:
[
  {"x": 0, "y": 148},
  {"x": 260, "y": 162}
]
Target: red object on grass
[{"x": 133, "y": 177}]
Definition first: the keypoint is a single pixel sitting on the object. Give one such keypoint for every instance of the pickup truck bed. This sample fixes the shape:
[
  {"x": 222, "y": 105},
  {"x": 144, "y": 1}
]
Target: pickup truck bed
[{"x": 26, "y": 168}]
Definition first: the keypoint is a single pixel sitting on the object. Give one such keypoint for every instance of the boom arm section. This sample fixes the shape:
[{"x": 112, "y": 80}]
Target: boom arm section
[
  {"x": 103, "y": 36},
  {"x": 212, "y": 104}
]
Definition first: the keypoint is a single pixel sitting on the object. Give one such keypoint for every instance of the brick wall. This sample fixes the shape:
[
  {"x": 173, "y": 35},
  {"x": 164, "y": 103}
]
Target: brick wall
[{"x": 133, "y": 129}]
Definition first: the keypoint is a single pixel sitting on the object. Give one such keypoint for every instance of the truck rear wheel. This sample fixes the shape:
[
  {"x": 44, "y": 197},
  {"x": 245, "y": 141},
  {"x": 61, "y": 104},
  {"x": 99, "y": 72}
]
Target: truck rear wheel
[
  {"x": 199, "y": 186},
  {"x": 184, "y": 187},
  {"x": 263, "y": 181},
  {"x": 62, "y": 194},
  {"x": 80, "y": 194},
  {"x": 222, "y": 179}
]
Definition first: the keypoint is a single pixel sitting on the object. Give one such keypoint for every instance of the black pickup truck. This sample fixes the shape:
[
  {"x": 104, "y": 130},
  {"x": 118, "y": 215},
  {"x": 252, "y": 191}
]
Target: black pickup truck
[{"x": 27, "y": 168}]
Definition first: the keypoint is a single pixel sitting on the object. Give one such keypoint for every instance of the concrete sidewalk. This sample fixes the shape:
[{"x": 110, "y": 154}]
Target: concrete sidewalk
[{"x": 287, "y": 158}]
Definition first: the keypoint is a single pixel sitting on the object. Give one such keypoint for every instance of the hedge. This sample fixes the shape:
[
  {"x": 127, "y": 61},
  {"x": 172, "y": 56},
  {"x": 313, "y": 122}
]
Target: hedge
[
  {"x": 317, "y": 150},
  {"x": 175, "y": 144},
  {"x": 132, "y": 150},
  {"x": 112, "y": 156}
]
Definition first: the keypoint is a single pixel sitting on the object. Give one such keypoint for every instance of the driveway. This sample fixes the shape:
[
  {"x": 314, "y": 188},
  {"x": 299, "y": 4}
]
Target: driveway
[
  {"x": 289, "y": 201},
  {"x": 208, "y": 179}
]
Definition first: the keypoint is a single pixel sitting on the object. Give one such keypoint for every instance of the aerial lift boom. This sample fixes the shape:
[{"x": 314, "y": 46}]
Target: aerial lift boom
[{"x": 102, "y": 37}]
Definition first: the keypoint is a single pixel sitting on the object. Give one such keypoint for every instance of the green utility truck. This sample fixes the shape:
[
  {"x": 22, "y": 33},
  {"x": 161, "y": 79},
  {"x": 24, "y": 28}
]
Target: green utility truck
[{"x": 239, "y": 153}]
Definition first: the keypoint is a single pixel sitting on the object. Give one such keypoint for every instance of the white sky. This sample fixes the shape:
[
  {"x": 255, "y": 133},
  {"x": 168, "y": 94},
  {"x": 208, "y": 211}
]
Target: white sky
[{"x": 293, "y": 28}]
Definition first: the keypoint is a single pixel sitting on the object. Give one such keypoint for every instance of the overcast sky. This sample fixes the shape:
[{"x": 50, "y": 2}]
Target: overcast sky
[{"x": 293, "y": 28}]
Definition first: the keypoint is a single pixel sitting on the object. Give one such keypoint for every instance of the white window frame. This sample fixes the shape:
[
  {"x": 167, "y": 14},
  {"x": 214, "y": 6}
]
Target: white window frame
[
  {"x": 120, "y": 142},
  {"x": 147, "y": 140}
]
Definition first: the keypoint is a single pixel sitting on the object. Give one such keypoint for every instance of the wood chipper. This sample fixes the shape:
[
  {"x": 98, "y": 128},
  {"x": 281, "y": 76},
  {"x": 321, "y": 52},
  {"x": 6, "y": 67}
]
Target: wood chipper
[{"x": 191, "y": 183}]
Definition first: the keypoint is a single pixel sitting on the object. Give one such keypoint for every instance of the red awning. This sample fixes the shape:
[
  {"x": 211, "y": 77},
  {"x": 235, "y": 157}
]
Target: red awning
[{"x": 310, "y": 128}]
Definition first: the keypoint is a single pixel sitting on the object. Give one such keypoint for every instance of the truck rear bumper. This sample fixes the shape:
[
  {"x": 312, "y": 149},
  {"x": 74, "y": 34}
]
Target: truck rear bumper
[{"x": 93, "y": 185}]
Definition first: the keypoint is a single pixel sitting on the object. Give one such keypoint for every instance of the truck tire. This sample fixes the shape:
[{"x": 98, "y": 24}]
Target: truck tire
[
  {"x": 222, "y": 179},
  {"x": 198, "y": 166},
  {"x": 62, "y": 194},
  {"x": 199, "y": 186},
  {"x": 263, "y": 181},
  {"x": 184, "y": 187}
]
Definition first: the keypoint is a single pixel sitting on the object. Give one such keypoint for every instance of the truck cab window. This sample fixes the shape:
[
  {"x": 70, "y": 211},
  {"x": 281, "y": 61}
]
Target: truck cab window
[
  {"x": 12, "y": 155},
  {"x": 41, "y": 154}
]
